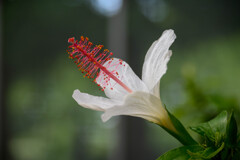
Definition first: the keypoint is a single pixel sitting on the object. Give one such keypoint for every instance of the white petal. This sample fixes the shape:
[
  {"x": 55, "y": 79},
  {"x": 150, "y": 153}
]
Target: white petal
[
  {"x": 93, "y": 102},
  {"x": 156, "y": 90},
  {"x": 140, "y": 104},
  {"x": 125, "y": 74},
  {"x": 156, "y": 59}
]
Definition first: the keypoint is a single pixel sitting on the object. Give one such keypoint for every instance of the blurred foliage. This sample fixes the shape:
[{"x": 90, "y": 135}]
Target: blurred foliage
[
  {"x": 207, "y": 79},
  {"x": 43, "y": 120},
  {"x": 46, "y": 123}
]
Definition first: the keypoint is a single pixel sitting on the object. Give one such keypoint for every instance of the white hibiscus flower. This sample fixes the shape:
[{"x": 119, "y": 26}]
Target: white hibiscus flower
[{"x": 139, "y": 98}]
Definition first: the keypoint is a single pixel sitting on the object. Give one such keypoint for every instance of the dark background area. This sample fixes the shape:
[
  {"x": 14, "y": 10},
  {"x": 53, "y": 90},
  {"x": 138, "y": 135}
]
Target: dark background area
[{"x": 39, "y": 118}]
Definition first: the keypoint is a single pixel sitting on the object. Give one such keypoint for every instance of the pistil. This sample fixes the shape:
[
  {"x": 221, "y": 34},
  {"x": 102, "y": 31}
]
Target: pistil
[{"x": 90, "y": 61}]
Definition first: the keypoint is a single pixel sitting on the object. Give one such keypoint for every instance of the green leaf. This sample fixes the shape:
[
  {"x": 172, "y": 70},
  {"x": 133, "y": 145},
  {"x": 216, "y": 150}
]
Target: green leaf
[
  {"x": 213, "y": 130},
  {"x": 231, "y": 137},
  {"x": 191, "y": 152},
  {"x": 210, "y": 152},
  {"x": 181, "y": 133},
  {"x": 181, "y": 153}
]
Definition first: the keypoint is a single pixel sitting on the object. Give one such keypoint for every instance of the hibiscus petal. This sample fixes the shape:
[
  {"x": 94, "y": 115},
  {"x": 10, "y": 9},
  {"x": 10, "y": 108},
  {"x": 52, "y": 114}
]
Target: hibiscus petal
[
  {"x": 125, "y": 74},
  {"x": 93, "y": 102},
  {"x": 156, "y": 90},
  {"x": 156, "y": 59},
  {"x": 141, "y": 104}
]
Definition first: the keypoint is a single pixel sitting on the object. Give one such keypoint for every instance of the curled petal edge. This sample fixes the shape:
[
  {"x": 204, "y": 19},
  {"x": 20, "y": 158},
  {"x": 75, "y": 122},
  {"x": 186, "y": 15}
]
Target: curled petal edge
[
  {"x": 156, "y": 59},
  {"x": 93, "y": 102}
]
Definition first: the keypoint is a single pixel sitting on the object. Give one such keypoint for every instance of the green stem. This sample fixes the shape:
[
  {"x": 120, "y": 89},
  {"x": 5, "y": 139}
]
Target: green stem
[{"x": 181, "y": 134}]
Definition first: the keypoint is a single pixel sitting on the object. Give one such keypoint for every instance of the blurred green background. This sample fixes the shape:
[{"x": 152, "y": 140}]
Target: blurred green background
[{"x": 41, "y": 121}]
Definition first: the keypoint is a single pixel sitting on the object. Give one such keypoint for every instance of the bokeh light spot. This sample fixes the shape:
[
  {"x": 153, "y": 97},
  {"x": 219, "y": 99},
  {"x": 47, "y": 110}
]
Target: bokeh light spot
[{"x": 107, "y": 7}]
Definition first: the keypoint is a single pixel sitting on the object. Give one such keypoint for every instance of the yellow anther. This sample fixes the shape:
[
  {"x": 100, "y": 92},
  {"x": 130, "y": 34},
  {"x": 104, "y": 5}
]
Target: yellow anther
[
  {"x": 100, "y": 46},
  {"x": 82, "y": 38}
]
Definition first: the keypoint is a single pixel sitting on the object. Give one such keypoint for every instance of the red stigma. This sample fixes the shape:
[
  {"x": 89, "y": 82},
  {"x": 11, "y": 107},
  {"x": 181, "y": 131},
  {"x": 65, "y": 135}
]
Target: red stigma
[{"x": 71, "y": 40}]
